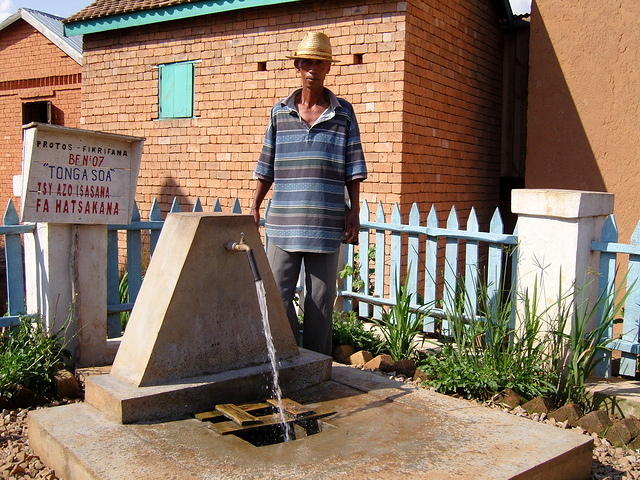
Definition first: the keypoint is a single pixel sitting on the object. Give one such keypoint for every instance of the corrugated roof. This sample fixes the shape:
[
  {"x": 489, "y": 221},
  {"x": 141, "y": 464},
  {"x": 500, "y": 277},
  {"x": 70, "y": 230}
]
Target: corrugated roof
[
  {"x": 106, "y": 8},
  {"x": 51, "y": 27}
]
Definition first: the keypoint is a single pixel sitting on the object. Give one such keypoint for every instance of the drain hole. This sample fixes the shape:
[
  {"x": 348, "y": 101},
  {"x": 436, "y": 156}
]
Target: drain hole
[{"x": 272, "y": 434}]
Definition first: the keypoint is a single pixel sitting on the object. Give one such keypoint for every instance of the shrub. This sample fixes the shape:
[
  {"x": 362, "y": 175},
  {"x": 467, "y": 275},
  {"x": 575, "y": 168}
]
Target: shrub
[
  {"x": 349, "y": 330},
  {"x": 534, "y": 357},
  {"x": 123, "y": 296},
  {"x": 353, "y": 271},
  {"x": 575, "y": 354},
  {"x": 484, "y": 355},
  {"x": 29, "y": 357}
]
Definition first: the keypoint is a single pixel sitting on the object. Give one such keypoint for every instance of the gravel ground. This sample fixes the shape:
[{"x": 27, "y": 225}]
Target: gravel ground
[
  {"x": 609, "y": 462},
  {"x": 17, "y": 461}
]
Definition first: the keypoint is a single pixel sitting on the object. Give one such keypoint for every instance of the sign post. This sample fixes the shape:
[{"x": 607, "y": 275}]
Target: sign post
[
  {"x": 78, "y": 176},
  {"x": 75, "y": 183}
]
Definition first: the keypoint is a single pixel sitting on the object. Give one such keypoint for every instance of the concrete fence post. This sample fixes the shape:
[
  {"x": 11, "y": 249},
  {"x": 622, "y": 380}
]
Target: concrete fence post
[
  {"x": 48, "y": 277},
  {"x": 555, "y": 231},
  {"x": 66, "y": 284}
]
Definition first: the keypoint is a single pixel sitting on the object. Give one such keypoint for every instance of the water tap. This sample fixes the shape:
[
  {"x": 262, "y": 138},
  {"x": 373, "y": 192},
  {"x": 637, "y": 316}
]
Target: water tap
[
  {"x": 238, "y": 246},
  {"x": 244, "y": 247}
]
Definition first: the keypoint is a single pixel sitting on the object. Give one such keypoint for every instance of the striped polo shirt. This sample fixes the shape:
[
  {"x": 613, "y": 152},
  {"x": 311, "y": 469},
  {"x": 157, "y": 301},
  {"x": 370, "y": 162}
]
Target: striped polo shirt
[{"x": 309, "y": 166}]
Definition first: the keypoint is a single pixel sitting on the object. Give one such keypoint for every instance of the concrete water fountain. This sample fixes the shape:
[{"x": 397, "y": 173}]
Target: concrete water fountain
[
  {"x": 195, "y": 336},
  {"x": 195, "y": 340}
]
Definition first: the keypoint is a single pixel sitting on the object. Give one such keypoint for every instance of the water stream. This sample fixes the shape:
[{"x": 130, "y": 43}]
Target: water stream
[{"x": 277, "y": 392}]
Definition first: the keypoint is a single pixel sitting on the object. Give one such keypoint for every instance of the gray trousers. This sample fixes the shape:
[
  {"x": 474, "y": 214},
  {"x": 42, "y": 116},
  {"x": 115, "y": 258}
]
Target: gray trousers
[{"x": 320, "y": 284}]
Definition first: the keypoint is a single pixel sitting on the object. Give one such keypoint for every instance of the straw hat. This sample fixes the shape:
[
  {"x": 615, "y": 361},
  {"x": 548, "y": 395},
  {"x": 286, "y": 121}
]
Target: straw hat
[{"x": 314, "y": 46}]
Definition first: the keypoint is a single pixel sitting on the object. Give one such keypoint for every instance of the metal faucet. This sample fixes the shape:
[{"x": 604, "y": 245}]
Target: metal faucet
[
  {"x": 244, "y": 247},
  {"x": 238, "y": 246}
]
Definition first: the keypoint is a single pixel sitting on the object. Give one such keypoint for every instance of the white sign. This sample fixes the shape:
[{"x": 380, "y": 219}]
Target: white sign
[{"x": 78, "y": 176}]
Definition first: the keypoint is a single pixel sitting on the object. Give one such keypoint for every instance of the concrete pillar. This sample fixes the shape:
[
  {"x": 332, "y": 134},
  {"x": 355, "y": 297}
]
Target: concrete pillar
[
  {"x": 91, "y": 296},
  {"x": 66, "y": 270},
  {"x": 48, "y": 276},
  {"x": 555, "y": 231}
]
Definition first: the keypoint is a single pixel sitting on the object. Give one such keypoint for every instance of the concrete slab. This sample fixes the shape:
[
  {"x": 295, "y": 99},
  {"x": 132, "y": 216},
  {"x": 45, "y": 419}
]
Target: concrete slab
[
  {"x": 124, "y": 402},
  {"x": 383, "y": 430},
  {"x": 618, "y": 396}
]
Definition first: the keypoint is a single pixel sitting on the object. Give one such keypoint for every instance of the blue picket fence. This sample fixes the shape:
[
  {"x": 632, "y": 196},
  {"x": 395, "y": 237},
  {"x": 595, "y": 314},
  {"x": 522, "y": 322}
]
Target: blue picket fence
[
  {"x": 393, "y": 232},
  {"x": 423, "y": 262},
  {"x": 14, "y": 265},
  {"x": 416, "y": 234},
  {"x": 609, "y": 249},
  {"x": 390, "y": 236}
]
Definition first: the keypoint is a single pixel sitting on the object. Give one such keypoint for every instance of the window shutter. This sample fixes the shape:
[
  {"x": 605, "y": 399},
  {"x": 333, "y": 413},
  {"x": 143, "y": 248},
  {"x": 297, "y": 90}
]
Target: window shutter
[{"x": 176, "y": 90}]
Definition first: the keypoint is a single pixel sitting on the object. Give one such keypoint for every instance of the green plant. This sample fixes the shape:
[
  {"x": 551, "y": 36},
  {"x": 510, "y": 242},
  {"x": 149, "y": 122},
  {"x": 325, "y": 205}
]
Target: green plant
[
  {"x": 29, "y": 356},
  {"x": 123, "y": 296},
  {"x": 535, "y": 354},
  {"x": 400, "y": 325},
  {"x": 349, "y": 330},
  {"x": 575, "y": 354},
  {"x": 353, "y": 271},
  {"x": 486, "y": 354}
]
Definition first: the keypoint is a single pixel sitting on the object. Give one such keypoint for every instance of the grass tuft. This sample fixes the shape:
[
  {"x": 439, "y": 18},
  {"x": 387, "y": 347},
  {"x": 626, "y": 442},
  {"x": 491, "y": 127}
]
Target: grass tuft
[{"x": 29, "y": 357}]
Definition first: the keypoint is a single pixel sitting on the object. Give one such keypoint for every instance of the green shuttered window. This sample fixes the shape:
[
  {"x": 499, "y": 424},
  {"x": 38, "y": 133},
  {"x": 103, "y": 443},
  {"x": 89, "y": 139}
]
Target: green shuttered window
[{"x": 176, "y": 90}]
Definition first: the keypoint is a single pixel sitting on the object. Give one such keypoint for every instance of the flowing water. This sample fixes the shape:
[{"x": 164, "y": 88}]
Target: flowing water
[{"x": 262, "y": 300}]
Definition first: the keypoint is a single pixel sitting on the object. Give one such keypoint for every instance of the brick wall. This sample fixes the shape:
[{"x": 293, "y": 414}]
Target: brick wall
[
  {"x": 213, "y": 155},
  {"x": 33, "y": 69},
  {"x": 452, "y": 105},
  {"x": 427, "y": 95}
]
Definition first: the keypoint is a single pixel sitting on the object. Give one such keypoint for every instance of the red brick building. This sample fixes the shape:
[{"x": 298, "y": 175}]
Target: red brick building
[
  {"x": 39, "y": 81},
  {"x": 425, "y": 78}
]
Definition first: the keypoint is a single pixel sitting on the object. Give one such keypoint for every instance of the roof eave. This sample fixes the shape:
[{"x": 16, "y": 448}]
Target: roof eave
[
  {"x": 44, "y": 30},
  {"x": 53, "y": 37},
  {"x": 175, "y": 12},
  {"x": 10, "y": 19}
]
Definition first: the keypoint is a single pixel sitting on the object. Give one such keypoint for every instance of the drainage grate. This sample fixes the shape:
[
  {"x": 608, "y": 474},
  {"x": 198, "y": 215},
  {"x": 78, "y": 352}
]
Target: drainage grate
[{"x": 260, "y": 423}]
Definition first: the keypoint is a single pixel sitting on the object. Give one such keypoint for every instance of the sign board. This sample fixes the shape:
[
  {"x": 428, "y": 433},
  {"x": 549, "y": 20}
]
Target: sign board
[{"x": 78, "y": 176}]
